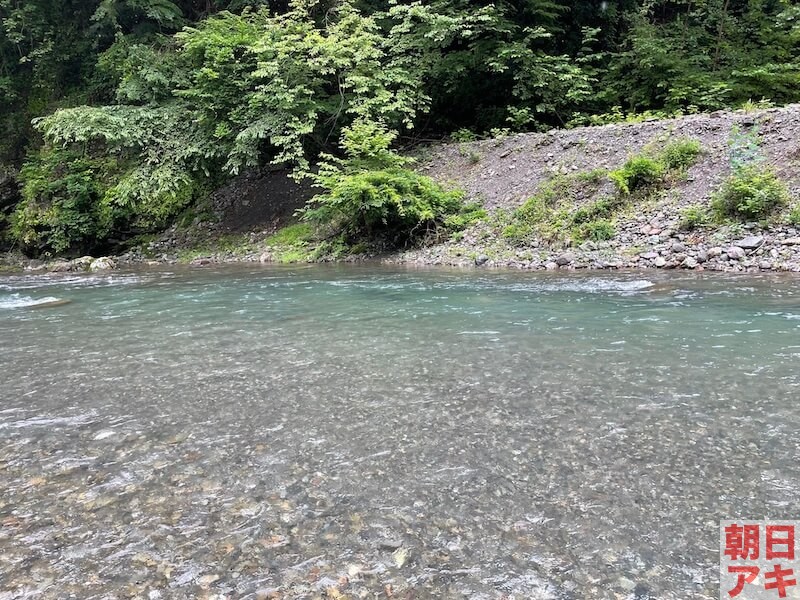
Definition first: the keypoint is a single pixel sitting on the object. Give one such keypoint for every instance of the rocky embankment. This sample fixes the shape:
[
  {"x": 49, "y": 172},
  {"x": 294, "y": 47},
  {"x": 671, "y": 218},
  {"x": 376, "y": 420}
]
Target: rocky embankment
[
  {"x": 654, "y": 246},
  {"x": 501, "y": 174}
]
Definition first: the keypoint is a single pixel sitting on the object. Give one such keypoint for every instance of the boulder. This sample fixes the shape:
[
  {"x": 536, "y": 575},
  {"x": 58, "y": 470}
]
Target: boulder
[
  {"x": 104, "y": 263},
  {"x": 61, "y": 266},
  {"x": 565, "y": 259},
  {"x": 735, "y": 253},
  {"x": 82, "y": 263},
  {"x": 751, "y": 242}
]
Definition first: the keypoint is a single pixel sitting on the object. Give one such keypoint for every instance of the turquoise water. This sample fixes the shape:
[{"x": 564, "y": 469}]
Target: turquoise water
[{"x": 251, "y": 431}]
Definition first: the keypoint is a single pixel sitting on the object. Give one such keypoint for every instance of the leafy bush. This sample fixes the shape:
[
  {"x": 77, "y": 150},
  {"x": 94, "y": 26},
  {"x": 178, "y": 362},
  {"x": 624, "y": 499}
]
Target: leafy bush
[
  {"x": 603, "y": 207},
  {"x": 693, "y": 217},
  {"x": 750, "y": 193},
  {"x": 467, "y": 216},
  {"x": 535, "y": 211},
  {"x": 680, "y": 154},
  {"x": 370, "y": 194},
  {"x": 61, "y": 209},
  {"x": 794, "y": 216},
  {"x": 464, "y": 135},
  {"x": 638, "y": 173},
  {"x": 72, "y": 200},
  {"x": 546, "y": 215},
  {"x": 596, "y": 231}
]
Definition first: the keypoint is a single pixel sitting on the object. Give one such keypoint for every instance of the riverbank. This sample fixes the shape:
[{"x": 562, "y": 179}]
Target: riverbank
[{"x": 643, "y": 231}]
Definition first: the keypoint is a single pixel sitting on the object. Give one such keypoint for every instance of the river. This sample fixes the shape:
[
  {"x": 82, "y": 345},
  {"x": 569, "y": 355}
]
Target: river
[{"x": 364, "y": 432}]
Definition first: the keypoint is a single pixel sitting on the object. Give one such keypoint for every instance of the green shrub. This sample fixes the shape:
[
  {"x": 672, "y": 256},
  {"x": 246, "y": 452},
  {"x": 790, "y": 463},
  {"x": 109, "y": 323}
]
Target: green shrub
[
  {"x": 524, "y": 220},
  {"x": 61, "y": 209},
  {"x": 534, "y": 210},
  {"x": 519, "y": 233},
  {"x": 750, "y": 193},
  {"x": 596, "y": 231},
  {"x": 693, "y": 217},
  {"x": 594, "y": 176},
  {"x": 467, "y": 216},
  {"x": 370, "y": 194},
  {"x": 464, "y": 135},
  {"x": 680, "y": 154},
  {"x": 604, "y": 207},
  {"x": 546, "y": 215},
  {"x": 794, "y": 216},
  {"x": 638, "y": 173}
]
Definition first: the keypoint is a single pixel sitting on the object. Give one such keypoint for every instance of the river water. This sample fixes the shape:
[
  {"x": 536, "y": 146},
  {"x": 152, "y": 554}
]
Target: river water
[{"x": 360, "y": 432}]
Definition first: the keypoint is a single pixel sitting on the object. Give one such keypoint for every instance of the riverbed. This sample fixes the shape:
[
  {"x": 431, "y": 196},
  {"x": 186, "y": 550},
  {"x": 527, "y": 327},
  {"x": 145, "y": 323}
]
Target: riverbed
[{"x": 372, "y": 432}]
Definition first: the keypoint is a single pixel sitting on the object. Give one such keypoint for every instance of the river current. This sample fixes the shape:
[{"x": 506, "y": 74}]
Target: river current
[{"x": 364, "y": 432}]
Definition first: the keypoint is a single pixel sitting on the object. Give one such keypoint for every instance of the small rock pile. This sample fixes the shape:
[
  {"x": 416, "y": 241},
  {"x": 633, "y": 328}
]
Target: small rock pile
[{"x": 77, "y": 265}]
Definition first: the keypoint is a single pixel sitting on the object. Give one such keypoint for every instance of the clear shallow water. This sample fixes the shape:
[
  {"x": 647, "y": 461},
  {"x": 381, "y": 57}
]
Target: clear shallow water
[{"x": 246, "y": 432}]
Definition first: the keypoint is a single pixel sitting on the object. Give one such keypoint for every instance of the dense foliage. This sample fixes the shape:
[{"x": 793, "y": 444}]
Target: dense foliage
[
  {"x": 156, "y": 101},
  {"x": 370, "y": 194}
]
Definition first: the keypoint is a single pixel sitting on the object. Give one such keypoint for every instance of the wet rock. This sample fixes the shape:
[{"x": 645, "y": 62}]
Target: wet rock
[
  {"x": 481, "y": 260},
  {"x": 565, "y": 259},
  {"x": 83, "y": 263},
  {"x": 104, "y": 263},
  {"x": 751, "y": 242},
  {"x": 52, "y": 304},
  {"x": 735, "y": 253},
  {"x": 61, "y": 266},
  {"x": 550, "y": 266}
]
